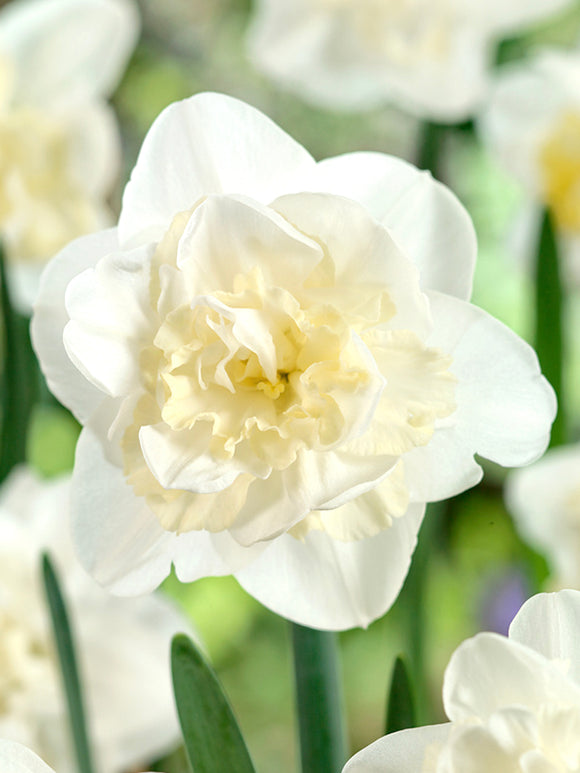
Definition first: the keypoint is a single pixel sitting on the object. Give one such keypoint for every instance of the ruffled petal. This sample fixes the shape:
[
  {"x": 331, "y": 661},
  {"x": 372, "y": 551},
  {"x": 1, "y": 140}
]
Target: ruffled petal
[
  {"x": 50, "y": 318},
  {"x": 109, "y": 320},
  {"x": 363, "y": 256},
  {"x": 424, "y": 217},
  {"x": 489, "y": 672}
]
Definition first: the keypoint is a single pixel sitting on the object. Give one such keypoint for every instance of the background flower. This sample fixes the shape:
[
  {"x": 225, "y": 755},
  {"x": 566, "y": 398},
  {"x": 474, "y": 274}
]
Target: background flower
[
  {"x": 545, "y": 502},
  {"x": 59, "y": 144},
  {"x": 431, "y": 57},
  {"x": 514, "y": 704},
  {"x": 123, "y": 645},
  {"x": 531, "y": 124},
  {"x": 283, "y": 424}
]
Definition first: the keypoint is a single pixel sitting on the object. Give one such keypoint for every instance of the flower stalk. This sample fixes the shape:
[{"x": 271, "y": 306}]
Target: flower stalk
[{"x": 319, "y": 700}]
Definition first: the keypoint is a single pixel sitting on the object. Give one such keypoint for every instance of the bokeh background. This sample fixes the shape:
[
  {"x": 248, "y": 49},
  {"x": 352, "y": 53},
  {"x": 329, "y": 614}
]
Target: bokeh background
[{"x": 476, "y": 570}]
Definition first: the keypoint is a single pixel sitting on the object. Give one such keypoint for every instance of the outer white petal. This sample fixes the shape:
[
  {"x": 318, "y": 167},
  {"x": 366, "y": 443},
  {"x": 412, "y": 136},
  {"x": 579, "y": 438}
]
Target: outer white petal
[
  {"x": 401, "y": 752},
  {"x": 333, "y": 585},
  {"x": 425, "y": 218},
  {"x": 505, "y": 407},
  {"x": 15, "y": 758},
  {"x": 65, "y": 50},
  {"x": 50, "y": 318},
  {"x": 119, "y": 540},
  {"x": 537, "y": 497},
  {"x": 549, "y": 623},
  {"x": 489, "y": 672},
  {"x": 209, "y": 143}
]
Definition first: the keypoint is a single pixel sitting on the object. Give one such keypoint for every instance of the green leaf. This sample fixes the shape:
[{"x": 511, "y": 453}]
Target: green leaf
[
  {"x": 401, "y": 701},
  {"x": 68, "y": 666},
  {"x": 318, "y": 700},
  {"x": 549, "y": 333},
  {"x": 212, "y": 737},
  {"x": 20, "y": 379}
]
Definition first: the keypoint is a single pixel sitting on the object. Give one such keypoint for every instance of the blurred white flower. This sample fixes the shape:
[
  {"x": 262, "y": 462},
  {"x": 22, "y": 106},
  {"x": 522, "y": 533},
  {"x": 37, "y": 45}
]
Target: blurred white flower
[
  {"x": 15, "y": 758},
  {"x": 431, "y": 57},
  {"x": 514, "y": 704},
  {"x": 59, "y": 144},
  {"x": 123, "y": 644},
  {"x": 273, "y": 382},
  {"x": 531, "y": 124},
  {"x": 545, "y": 502}
]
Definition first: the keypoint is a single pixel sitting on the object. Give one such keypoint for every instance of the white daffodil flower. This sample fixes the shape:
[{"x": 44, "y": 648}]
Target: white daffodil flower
[
  {"x": 531, "y": 124},
  {"x": 513, "y": 703},
  {"x": 275, "y": 378},
  {"x": 123, "y": 644},
  {"x": 15, "y": 758},
  {"x": 545, "y": 502},
  {"x": 59, "y": 144},
  {"x": 431, "y": 57}
]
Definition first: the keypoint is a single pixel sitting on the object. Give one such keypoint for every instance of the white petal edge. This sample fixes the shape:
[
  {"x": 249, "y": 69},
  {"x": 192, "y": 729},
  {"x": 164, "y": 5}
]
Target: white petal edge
[
  {"x": 489, "y": 671},
  {"x": 424, "y": 217},
  {"x": 50, "y": 317},
  {"x": 121, "y": 543},
  {"x": 401, "y": 752},
  {"x": 209, "y": 143},
  {"x": 549, "y": 623},
  {"x": 15, "y": 758},
  {"x": 331, "y": 585}
]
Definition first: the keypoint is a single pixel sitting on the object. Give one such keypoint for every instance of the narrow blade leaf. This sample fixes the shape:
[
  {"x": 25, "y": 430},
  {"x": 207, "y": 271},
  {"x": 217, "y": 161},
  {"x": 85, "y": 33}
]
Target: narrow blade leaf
[
  {"x": 68, "y": 666},
  {"x": 401, "y": 702},
  {"x": 212, "y": 737}
]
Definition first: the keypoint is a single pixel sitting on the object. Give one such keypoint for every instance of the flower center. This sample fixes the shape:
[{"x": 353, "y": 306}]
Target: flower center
[
  {"x": 560, "y": 170},
  {"x": 42, "y": 206}
]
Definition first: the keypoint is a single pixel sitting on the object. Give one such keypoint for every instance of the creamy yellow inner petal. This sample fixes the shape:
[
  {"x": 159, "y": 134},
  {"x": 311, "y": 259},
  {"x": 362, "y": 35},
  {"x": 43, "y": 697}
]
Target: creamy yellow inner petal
[
  {"x": 256, "y": 375},
  {"x": 559, "y": 159},
  {"x": 42, "y": 206}
]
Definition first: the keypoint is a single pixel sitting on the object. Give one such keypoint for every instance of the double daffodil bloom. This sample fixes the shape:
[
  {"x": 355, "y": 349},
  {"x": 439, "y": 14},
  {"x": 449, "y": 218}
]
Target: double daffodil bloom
[{"x": 277, "y": 366}]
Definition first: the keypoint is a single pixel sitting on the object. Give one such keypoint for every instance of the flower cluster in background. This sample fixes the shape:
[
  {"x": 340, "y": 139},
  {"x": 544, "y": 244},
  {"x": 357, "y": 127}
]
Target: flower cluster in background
[{"x": 291, "y": 372}]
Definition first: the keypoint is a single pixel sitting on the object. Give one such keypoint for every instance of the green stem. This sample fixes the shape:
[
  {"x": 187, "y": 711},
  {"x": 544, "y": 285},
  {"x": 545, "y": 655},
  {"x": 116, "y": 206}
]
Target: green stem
[
  {"x": 319, "y": 700},
  {"x": 430, "y": 138},
  {"x": 414, "y": 604},
  {"x": 68, "y": 666},
  {"x": 400, "y": 713},
  {"x": 548, "y": 333},
  {"x": 19, "y": 380}
]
